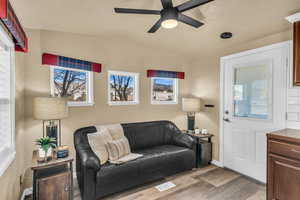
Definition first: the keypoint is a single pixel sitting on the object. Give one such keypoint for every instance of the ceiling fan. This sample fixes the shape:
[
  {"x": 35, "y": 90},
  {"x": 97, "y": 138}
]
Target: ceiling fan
[{"x": 169, "y": 15}]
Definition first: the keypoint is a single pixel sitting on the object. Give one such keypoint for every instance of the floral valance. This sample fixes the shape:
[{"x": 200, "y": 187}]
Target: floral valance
[
  {"x": 165, "y": 74},
  {"x": 62, "y": 61},
  {"x": 11, "y": 22}
]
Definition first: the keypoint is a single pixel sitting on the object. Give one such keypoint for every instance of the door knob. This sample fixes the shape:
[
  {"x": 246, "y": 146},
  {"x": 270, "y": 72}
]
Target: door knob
[{"x": 226, "y": 120}]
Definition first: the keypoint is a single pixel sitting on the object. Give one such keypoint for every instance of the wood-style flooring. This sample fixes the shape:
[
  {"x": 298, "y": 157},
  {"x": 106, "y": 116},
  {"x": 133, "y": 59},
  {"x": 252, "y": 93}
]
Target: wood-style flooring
[{"x": 209, "y": 183}]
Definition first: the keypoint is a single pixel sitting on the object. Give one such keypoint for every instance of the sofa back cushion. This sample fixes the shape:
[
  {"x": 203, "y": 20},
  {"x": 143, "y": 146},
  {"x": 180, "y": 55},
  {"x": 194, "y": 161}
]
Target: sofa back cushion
[{"x": 147, "y": 134}]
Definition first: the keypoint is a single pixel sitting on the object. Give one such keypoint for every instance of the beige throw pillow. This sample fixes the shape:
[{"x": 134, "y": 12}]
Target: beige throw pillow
[
  {"x": 116, "y": 131},
  {"x": 118, "y": 148},
  {"x": 98, "y": 143}
]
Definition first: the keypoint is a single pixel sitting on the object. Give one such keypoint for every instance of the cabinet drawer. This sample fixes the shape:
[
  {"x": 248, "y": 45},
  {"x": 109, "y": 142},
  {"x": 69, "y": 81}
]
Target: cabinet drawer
[{"x": 284, "y": 149}]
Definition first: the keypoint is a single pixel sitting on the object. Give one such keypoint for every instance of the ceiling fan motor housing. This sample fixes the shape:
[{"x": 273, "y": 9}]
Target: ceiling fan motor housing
[{"x": 169, "y": 13}]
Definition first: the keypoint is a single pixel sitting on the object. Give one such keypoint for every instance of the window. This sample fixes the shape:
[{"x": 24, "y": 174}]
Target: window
[
  {"x": 7, "y": 102},
  {"x": 123, "y": 88},
  {"x": 164, "y": 90},
  {"x": 253, "y": 91},
  {"x": 74, "y": 84}
]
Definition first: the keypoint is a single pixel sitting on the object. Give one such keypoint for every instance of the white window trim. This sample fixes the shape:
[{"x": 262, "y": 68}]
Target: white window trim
[
  {"x": 90, "y": 89},
  {"x": 136, "y": 86},
  {"x": 8, "y": 155},
  {"x": 165, "y": 102}
]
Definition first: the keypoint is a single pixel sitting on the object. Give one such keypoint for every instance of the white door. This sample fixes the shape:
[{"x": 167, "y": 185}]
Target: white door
[{"x": 254, "y": 104}]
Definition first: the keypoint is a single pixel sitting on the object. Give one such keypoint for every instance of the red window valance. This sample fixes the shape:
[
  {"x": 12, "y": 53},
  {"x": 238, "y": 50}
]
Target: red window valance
[
  {"x": 10, "y": 20},
  {"x": 165, "y": 74},
  {"x": 62, "y": 61}
]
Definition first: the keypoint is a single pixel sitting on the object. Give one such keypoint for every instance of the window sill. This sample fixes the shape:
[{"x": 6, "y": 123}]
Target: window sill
[
  {"x": 163, "y": 103},
  {"x": 80, "y": 104},
  {"x": 122, "y": 103}
]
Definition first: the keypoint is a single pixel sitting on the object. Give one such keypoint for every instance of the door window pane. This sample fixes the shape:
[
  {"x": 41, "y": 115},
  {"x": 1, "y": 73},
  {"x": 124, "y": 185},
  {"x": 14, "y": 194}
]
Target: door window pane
[{"x": 252, "y": 91}]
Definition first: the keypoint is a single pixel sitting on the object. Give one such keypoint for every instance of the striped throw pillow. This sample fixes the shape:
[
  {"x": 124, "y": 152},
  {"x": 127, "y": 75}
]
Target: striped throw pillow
[{"x": 118, "y": 148}]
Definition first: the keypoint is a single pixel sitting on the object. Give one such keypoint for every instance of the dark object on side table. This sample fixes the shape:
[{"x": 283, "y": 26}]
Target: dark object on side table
[
  {"x": 53, "y": 179},
  {"x": 203, "y": 150},
  {"x": 166, "y": 151},
  {"x": 62, "y": 151}
]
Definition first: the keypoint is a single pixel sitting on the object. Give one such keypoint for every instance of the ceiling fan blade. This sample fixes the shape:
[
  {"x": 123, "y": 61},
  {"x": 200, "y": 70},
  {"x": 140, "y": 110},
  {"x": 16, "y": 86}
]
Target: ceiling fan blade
[
  {"x": 167, "y": 3},
  {"x": 155, "y": 27},
  {"x": 137, "y": 11},
  {"x": 191, "y": 4},
  {"x": 188, "y": 20}
]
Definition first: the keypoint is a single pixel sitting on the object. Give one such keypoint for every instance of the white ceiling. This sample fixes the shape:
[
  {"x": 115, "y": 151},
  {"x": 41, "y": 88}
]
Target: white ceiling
[{"x": 247, "y": 19}]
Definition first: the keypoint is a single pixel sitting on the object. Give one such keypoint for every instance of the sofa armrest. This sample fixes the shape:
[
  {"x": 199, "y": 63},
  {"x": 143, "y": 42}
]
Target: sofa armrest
[
  {"x": 179, "y": 138},
  {"x": 184, "y": 140},
  {"x": 88, "y": 158}
]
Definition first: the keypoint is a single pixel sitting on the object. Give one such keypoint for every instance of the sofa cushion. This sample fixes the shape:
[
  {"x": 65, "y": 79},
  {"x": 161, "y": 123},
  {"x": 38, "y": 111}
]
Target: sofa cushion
[
  {"x": 156, "y": 161},
  {"x": 147, "y": 134},
  {"x": 163, "y": 159}
]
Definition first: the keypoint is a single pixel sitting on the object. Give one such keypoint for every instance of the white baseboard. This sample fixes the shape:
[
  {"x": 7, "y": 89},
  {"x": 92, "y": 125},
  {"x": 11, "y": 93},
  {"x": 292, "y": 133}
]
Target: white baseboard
[
  {"x": 26, "y": 192},
  {"x": 217, "y": 163}
]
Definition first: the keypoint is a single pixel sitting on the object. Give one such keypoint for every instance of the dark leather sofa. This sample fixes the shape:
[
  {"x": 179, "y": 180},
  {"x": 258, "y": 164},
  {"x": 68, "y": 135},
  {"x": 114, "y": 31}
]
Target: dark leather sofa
[{"x": 166, "y": 151}]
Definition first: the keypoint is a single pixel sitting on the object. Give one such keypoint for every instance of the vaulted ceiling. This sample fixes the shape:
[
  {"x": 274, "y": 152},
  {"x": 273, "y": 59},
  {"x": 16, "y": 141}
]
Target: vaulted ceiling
[{"x": 247, "y": 19}]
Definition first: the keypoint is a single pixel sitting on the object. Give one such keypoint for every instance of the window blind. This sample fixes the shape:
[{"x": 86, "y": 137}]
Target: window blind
[
  {"x": 7, "y": 148},
  {"x": 4, "y": 96}
]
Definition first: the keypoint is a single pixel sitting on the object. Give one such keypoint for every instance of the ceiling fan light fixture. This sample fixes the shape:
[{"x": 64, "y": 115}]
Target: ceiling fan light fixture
[
  {"x": 169, "y": 18},
  {"x": 169, "y": 23}
]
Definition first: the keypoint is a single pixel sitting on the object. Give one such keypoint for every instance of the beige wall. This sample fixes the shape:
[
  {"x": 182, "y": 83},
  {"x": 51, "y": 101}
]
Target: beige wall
[
  {"x": 204, "y": 80},
  {"x": 10, "y": 181},
  {"x": 114, "y": 54}
]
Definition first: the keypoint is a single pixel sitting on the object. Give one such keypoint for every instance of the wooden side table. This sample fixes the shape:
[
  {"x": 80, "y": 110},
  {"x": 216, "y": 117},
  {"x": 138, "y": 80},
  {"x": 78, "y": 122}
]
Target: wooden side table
[
  {"x": 203, "y": 150},
  {"x": 52, "y": 180}
]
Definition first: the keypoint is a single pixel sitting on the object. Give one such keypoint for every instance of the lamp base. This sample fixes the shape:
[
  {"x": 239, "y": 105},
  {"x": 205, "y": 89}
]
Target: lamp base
[{"x": 191, "y": 123}]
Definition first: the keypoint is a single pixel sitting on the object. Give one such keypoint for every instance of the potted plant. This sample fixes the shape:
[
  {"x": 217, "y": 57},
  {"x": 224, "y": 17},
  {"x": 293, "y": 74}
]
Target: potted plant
[{"x": 46, "y": 145}]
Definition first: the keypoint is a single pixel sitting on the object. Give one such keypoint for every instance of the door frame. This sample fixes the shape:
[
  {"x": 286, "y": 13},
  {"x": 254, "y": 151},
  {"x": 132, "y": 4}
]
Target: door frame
[{"x": 286, "y": 44}]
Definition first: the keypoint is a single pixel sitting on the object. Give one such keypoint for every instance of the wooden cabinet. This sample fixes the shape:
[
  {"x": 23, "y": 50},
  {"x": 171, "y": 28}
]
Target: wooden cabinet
[
  {"x": 296, "y": 46},
  {"x": 53, "y": 180},
  {"x": 283, "y": 182},
  {"x": 55, "y": 187}
]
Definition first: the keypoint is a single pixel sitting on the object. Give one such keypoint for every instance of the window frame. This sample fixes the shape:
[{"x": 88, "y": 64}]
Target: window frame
[
  {"x": 176, "y": 88},
  {"x": 8, "y": 155},
  {"x": 90, "y": 86},
  {"x": 136, "y": 85}
]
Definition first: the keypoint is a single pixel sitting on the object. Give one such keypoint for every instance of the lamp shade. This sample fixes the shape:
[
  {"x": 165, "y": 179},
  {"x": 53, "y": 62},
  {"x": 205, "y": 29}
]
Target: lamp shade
[
  {"x": 50, "y": 108},
  {"x": 191, "y": 104}
]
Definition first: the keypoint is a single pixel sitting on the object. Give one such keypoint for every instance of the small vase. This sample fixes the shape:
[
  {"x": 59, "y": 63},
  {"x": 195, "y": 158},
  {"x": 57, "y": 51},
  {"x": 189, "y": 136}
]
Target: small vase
[{"x": 43, "y": 155}]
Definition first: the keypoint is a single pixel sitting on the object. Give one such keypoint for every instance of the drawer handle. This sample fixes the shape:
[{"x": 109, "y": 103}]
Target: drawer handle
[{"x": 294, "y": 150}]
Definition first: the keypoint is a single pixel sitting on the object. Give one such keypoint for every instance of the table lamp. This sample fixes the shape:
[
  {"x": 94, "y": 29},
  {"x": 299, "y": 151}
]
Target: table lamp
[
  {"x": 191, "y": 106},
  {"x": 51, "y": 110}
]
